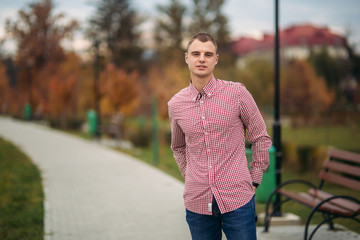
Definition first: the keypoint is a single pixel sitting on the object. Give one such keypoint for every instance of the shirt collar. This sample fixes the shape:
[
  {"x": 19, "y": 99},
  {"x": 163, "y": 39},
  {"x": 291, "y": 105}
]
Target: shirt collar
[{"x": 208, "y": 89}]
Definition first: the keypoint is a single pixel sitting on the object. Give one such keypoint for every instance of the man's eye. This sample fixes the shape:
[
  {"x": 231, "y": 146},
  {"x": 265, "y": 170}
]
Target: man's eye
[
  {"x": 208, "y": 54},
  {"x": 196, "y": 54}
]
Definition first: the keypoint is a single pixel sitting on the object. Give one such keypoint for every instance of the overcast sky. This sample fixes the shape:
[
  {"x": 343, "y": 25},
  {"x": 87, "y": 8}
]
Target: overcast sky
[{"x": 246, "y": 17}]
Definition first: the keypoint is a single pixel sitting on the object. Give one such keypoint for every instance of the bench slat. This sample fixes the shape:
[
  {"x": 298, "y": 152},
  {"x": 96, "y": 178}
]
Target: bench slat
[
  {"x": 345, "y": 155},
  {"x": 342, "y": 167},
  {"x": 296, "y": 197},
  {"x": 340, "y": 180},
  {"x": 312, "y": 201},
  {"x": 344, "y": 203},
  {"x": 328, "y": 206}
]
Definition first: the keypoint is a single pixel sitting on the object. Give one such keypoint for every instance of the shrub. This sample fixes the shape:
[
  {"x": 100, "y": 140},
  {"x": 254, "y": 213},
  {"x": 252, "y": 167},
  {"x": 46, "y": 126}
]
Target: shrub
[{"x": 303, "y": 158}]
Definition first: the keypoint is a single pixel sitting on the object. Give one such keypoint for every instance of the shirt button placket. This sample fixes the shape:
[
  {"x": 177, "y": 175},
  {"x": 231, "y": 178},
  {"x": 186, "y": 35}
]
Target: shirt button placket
[
  {"x": 209, "y": 158},
  {"x": 207, "y": 145}
]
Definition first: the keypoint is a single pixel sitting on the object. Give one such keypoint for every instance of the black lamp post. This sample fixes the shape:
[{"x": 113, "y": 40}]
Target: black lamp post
[
  {"x": 277, "y": 123},
  {"x": 97, "y": 87}
]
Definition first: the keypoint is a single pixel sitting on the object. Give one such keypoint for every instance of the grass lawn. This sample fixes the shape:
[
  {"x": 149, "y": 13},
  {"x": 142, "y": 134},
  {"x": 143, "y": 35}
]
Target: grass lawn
[
  {"x": 345, "y": 137},
  {"x": 21, "y": 201}
]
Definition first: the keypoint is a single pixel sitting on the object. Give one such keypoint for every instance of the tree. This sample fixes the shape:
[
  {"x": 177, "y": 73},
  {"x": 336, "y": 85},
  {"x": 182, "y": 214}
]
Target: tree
[
  {"x": 170, "y": 29},
  {"x": 327, "y": 67},
  {"x": 353, "y": 93},
  {"x": 115, "y": 24},
  {"x": 207, "y": 16},
  {"x": 38, "y": 34},
  {"x": 4, "y": 90},
  {"x": 258, "y": 78},
  {"x": 166, "y": 82},
  {"x": 63, "y": 90},
  {"x": 119, "y": 91},
  {"x": 304, "y": 94},
  {"x": 354, "y": 58}
]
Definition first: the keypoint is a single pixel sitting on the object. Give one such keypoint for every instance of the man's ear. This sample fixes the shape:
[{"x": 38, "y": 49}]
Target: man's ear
[
  {"x": 186, "y": 57},
  {"x": 217, "y": 58}
]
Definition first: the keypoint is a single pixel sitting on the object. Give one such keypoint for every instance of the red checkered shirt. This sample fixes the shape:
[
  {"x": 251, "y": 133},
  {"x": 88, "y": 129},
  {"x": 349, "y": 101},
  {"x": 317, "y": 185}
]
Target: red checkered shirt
[{"x": 208, "y": 142}]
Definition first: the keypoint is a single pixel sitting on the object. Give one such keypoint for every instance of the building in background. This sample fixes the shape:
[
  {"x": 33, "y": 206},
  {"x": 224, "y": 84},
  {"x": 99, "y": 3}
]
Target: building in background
[{"x": 296, "y": 42}]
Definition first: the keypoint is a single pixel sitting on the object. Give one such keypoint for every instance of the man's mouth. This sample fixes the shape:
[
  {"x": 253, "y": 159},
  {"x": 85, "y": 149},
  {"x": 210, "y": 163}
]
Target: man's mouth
[{"x": 201, "y": 67}]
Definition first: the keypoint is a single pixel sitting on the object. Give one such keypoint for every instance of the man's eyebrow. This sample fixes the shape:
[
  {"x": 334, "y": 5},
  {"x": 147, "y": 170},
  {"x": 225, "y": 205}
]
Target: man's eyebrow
[{"x": 205, "y": 52}]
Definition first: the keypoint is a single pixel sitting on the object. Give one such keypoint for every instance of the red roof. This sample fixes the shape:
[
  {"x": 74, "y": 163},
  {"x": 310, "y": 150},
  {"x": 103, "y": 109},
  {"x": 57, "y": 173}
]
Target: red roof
[{"x": 298, "y": 35}]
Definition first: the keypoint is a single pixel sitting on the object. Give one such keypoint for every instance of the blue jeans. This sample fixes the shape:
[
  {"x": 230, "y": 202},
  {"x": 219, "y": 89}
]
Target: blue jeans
[{"x": 239, "y": 224}]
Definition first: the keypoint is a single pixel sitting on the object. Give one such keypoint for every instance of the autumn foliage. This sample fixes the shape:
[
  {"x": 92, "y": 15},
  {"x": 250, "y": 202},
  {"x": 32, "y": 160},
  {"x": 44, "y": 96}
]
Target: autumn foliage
[
  {"x": 4, "y": 90},
  {"x": 63, "y": 89},
  {"x": 38, "y": 35},
  {"x": 167, "y": 81},
  {"x": 119, "y": 91},
  {"x": 303, "y": 93},
  {"x": 60, "y": 85}
]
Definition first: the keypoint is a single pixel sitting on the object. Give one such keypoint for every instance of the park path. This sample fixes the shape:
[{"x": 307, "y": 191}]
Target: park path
[{"x": 95, "y": 193}]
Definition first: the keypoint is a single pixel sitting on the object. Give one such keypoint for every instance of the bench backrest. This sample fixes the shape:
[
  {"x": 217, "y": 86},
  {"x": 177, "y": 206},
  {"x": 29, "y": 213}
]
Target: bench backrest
[{"x": 341, "y": 168}]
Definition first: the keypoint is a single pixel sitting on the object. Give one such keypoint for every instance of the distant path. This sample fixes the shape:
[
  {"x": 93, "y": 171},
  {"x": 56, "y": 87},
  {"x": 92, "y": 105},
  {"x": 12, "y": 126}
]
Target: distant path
[{"x": 94, "y": 193}]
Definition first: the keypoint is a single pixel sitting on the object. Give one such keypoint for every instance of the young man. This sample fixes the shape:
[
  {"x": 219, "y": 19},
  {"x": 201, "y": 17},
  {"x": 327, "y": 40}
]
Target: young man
[{"x": 209, "y": 120}]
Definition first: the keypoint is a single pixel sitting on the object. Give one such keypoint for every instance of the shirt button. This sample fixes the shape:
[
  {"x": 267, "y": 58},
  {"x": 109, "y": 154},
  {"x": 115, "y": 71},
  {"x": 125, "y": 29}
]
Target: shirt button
[
  {"x": 203, "y": 117},
  {"x": 208, "y": 150},
  {"x": 201, "y": 101},
  {"x": 210, "y": 166}
]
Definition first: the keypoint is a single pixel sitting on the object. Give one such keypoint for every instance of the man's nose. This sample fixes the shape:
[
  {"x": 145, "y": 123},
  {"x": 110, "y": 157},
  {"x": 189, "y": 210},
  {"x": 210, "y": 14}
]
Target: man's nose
[{"x": 202, "y": 57}]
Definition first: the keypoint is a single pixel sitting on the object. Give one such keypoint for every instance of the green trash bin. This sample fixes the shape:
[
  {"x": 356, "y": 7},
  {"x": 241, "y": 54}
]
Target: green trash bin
[
  {"x": 27, "y": 112},
  {"x": 268, "y": 182},
  {"x": 92, "y": 122}
]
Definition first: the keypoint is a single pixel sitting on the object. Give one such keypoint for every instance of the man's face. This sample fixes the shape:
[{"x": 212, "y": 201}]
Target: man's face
[{"x": 201, "y": 59}]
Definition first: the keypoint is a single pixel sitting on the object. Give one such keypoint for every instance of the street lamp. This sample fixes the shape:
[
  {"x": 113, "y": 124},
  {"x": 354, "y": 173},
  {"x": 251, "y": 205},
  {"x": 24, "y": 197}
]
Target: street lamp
[
  {"x": 277, "y": 123},
  {"x": 97, "y": 86}
]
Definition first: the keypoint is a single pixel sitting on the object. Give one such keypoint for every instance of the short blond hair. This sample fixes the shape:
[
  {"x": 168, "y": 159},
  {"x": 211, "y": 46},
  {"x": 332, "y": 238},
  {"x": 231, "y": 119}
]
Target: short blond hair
[{"x": 202, "y": 37}]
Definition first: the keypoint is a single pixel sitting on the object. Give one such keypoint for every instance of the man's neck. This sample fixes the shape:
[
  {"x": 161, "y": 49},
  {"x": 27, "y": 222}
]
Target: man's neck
[{"x": 200, "y": 83}]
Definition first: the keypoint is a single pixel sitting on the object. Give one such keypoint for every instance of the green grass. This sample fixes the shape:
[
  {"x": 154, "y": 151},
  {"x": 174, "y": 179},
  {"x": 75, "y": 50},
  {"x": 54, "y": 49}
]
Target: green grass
[
  {"x": 21, "y": 201},
  {"x": 345, "y": 137}
]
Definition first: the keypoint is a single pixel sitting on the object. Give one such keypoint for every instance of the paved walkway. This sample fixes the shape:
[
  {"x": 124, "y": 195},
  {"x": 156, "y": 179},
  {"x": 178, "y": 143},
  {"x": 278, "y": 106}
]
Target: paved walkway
[{"x": 95, "y": 193}]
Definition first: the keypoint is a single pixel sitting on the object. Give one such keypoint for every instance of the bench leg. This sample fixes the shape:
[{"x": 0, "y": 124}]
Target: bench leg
[
  {"x": 268, "y": 215},
  {"x": 330, "y": 222},
  {"x": 330, "y": 217},
  {"x": 275, "y": 191}
]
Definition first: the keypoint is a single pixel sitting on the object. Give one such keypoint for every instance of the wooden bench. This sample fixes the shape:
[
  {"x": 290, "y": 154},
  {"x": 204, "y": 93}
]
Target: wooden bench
[{"x": 341, "y": 168}]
